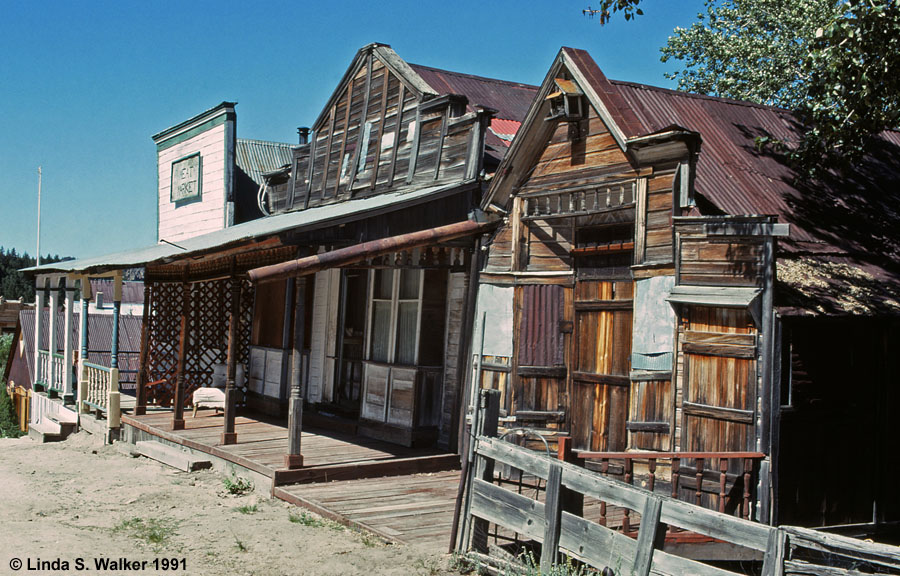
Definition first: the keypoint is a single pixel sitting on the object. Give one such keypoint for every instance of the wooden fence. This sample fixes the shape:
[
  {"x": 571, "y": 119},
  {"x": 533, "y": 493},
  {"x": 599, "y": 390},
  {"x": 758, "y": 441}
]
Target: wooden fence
[
  {"x": 21, "y": 401},
  {"x": 98, "y": 389},
  {"x": 550, "y": 526}
]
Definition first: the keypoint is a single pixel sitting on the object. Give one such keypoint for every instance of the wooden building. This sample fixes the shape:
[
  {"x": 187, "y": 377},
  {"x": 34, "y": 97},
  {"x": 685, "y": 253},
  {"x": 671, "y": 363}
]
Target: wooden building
[
  {"x": 663, "y": 285},
  {"x": 353, "y": 294}
]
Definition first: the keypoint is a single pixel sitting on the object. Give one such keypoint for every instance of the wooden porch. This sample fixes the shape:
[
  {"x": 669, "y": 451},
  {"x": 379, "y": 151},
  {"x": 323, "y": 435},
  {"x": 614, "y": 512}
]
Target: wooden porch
[{"x": 262, "y": 444}]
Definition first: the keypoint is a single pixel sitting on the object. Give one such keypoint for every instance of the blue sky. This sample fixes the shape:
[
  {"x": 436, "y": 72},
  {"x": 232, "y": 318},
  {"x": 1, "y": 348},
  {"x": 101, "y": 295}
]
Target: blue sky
[{"x": 83, "y": 85}]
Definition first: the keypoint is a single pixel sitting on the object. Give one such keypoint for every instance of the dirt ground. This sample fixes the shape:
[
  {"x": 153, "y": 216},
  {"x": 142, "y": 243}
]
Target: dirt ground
[{"x": 76, "y": 500}]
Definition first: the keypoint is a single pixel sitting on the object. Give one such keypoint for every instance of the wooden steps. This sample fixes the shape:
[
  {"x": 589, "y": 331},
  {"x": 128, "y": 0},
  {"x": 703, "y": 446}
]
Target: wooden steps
[{"x": 171, "y": 456}]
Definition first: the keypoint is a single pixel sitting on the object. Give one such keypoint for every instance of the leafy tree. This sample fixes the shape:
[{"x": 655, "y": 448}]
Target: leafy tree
[{"x": 749, "y": 49}]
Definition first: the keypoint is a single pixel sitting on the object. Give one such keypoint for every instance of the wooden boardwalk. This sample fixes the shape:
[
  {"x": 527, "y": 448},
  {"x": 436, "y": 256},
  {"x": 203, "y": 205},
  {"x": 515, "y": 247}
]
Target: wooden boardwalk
[
  {"x": 415, "y": 509},
  {"x": 261, "y": 446}
]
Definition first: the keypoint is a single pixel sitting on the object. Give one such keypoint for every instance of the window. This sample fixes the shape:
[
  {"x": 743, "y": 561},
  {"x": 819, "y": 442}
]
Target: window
[{"x": 396, "y": 298}]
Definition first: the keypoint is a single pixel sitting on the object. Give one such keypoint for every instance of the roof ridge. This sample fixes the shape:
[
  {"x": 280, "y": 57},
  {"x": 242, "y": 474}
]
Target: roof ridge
[
  {"x": 698, "y": 96},
  {"x": 485, "y": 78}
]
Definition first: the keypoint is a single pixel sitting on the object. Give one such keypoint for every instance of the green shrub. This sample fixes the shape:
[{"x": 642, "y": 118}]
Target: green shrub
[{"x": 237, "y": 485}]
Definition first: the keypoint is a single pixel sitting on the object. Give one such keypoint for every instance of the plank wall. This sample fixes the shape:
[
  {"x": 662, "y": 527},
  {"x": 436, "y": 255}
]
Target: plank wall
[{"x": 407, "y": 146}]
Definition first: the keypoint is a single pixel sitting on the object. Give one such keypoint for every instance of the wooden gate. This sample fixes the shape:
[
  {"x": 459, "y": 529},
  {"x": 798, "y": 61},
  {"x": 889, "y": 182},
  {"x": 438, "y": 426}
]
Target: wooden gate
[{"x": 600, "y": 382}]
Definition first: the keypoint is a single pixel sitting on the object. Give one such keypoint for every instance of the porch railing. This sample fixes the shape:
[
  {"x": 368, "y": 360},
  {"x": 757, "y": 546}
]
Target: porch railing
[
  {"x": 99, "y": 390},
  {"x": 43, "y": 368},
  {"x": 719, "y": 481},
  {"x": 57, "y": 373}
]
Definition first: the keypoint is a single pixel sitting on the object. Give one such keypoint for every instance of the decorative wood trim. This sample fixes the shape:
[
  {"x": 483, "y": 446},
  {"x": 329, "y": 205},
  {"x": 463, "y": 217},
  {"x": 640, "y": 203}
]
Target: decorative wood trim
[
  {"x": 362, "y": 122},
  {"x": 381, "y": 121},
  {"x": 414, "y": 151},
  {"x": 587, "y": 306},
  {"x": 440, "y": 149},
  {"x": 397, "y": 128},
  {"x": 337, "y": 184}
]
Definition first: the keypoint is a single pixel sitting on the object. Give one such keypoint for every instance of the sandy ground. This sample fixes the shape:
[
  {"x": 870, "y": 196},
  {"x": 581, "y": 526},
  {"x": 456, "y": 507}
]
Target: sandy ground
[{"x": 78, "y": 500}]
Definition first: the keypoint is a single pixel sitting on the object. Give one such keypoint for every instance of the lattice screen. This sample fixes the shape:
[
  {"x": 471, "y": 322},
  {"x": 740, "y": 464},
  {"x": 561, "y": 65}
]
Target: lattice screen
[{"x": 207, "y": 341}]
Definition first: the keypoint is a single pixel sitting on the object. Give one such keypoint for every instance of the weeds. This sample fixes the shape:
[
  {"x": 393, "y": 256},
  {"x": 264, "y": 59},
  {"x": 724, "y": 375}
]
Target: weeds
[
  {"x": 247, "y": 509},
  {"x": 237, "y": 485},
  {"x": 239, "y": 544},
  {"x": 306, "y": 519},
  {"x": 154, "y": 531}
]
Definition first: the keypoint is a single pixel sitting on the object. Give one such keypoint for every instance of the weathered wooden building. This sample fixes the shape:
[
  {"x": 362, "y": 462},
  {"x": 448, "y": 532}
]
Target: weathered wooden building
[
  {"x": 663, "y": 285},
  {"x": 351, "y": 294}
]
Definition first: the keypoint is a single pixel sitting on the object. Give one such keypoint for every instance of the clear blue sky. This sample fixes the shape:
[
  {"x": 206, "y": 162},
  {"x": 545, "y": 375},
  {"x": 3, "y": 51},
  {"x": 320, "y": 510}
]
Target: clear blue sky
[{"x": 83, "y": 85}]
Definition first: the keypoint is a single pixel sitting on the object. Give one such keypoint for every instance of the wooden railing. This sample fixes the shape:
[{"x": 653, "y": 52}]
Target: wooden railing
[
  {"x": 575, "y": 202},
  {"x": 551, "y": 525},
  {"x": 686, "y": 472},
  {"x": 57, "y": 372},
  {"x": 42, "y": 377},
  {"x": 98, "y": 389}
]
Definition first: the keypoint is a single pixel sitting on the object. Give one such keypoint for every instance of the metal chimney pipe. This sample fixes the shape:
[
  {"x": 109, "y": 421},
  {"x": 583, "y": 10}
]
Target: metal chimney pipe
[{"x": 303, "y": 132}]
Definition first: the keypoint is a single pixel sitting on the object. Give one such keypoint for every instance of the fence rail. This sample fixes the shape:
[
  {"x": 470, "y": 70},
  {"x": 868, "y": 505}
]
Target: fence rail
[
  {"x": 98, "y": 389},
  {"x": 57, "y": 372},
  {"x": 43, "y": 368},
  {"x": 555, "y": 528}
]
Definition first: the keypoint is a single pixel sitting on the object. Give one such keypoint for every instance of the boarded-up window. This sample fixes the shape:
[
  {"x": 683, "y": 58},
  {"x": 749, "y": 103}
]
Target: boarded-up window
[
  {"x": 720, "y": 392},
  {"x": 268, "y": 315},
  {"x": 602, "y": 364}
]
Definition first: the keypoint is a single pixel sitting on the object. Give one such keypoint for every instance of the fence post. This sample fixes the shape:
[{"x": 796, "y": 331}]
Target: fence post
[
  {"x": 489, "y": 406},
  {"x": 773, "y": 562},
  {"x": 647, "y": 540},
  {"x": 572, "y": 501},
  {"x": 552, "y": 518}
]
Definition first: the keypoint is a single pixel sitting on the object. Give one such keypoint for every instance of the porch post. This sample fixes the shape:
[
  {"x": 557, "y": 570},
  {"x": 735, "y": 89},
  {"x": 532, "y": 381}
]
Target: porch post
[
  {"x": 83, "y": 336},
  {"x": 229, "y": 436},
  {"x": 178, "y": 416},
  {"x": 117, "y": 309},
  {"x": 38, "y": 329},
  {"x": 140, "y": 404},
  {"x": 67, "y": 391},
  {"x": 294, "y": 458},
  {"x": 51, "y": 347}
]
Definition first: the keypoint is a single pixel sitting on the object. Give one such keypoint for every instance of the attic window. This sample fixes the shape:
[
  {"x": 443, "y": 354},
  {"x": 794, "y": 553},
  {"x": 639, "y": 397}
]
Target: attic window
[{"x": 565, "y": 101}]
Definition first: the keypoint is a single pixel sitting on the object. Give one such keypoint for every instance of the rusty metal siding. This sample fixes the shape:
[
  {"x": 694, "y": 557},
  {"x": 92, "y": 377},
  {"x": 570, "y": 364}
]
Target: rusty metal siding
[{"x": 540, "y": 341}]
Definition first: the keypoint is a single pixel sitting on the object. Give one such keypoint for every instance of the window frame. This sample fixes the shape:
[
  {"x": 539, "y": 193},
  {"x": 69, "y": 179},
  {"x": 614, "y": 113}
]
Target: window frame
[{"x": 395, "y": 302}]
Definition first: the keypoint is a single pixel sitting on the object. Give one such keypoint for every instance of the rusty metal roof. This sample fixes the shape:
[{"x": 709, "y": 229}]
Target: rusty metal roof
[
  {"x": 510, "y": 99},
  {"x": 132, "y": 291},
  {"x": 857, "y": 213},
  {"x": 256, "y": 157}
]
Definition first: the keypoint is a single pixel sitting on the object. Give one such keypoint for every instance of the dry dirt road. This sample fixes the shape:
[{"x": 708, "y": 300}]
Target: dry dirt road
[{"x": 61, "y": 503}]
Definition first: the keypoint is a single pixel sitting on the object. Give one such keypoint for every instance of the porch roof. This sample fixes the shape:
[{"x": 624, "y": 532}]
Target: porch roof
[{"x": 311, "y": 219}]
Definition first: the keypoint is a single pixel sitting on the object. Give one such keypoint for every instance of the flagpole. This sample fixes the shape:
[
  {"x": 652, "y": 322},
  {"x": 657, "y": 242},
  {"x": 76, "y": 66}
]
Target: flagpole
[{"x": 39, "y": 219}]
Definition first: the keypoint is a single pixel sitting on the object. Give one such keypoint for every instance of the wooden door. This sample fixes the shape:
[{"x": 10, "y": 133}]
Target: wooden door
[{"x": 599, "y": 399}]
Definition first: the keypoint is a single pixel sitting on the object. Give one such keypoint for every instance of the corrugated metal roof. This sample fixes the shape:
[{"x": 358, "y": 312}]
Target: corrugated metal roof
[
  {"x": 510, "y": 99},
  {"x": 99, "y": 339},
  {"x": 255, "y": 157},
  {"x": 311, "y": 219},
  {"x": 855, "y": 213}
]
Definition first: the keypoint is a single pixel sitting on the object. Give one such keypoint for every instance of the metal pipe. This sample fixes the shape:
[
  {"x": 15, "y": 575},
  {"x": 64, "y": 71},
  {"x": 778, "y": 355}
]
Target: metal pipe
[{"x": 352, "y": 254}]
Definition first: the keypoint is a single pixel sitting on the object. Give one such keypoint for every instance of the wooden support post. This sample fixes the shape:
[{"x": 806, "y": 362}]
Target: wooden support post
[
  {"x": 573, "y": 502},
  {"x": 604, "y": 469},
  {"x": 117, "y": 309},
  {"x": 51, "y": 337},
  {"x": 723, "y": 483},
  {"x": 647, "y": 536},
  {"x": 294, "y": 457},
  {"x": 484, "y": 467},
  {"x": 748, "y": 468},
  {"x": 38, "y": 331},
  {"x": 113, "y": 411},
  {"x": 83, "y": 336},
  {"x": 140, "y": 404},
  {"x": 68, "y": 391},
  {"x": 229, "y": 435},
  {"x": 552, "y": 518},
  {"x": 178, "y": 415}
]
